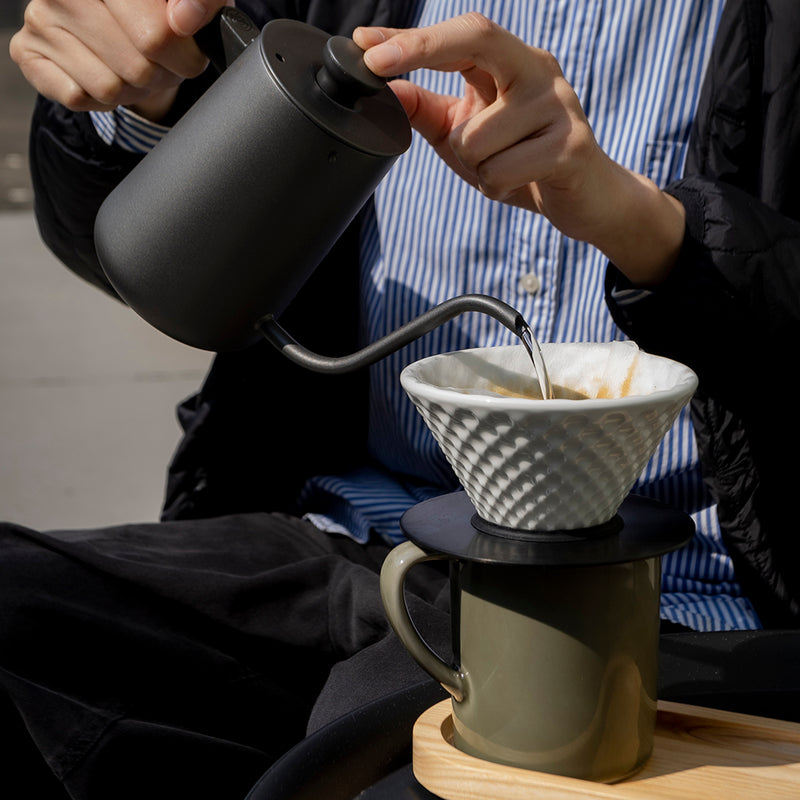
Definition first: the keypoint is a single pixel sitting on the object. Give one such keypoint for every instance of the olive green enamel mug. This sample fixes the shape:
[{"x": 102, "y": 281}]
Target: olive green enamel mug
[{"x": 557, "y": 666}]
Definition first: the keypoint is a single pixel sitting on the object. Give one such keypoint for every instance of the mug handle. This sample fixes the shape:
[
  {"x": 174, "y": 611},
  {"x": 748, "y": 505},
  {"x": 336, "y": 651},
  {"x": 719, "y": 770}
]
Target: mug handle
[{"x": 393, "y": 573}]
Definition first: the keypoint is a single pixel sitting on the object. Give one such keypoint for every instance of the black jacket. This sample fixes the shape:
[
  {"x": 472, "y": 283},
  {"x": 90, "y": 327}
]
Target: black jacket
[
  {"x": 256, "y": 428},
  {"x": 731, "y": 310}
]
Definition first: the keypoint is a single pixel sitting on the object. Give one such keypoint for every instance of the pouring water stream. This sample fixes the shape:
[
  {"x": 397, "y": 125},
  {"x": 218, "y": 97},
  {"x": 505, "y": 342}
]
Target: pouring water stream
[{"x": 531, "y": 344}]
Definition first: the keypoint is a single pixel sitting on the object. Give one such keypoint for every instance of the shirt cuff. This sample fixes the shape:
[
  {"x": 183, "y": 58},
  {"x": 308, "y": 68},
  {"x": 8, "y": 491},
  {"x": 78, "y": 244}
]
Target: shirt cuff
[{"x": 126, "y": 129}]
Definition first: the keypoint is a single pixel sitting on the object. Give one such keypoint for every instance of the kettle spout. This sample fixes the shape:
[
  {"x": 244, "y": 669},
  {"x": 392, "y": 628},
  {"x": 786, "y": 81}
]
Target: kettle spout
[{"x": 393, "y": 341}]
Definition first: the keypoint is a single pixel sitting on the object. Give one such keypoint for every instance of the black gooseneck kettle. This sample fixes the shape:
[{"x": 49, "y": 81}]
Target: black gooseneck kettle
[{"x": 211, "y": 236}]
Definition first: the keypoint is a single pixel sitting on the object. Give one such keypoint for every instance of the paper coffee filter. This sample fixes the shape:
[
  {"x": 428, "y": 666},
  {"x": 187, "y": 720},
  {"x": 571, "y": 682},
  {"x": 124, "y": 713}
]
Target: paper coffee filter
[
  {"x": 596, "y": 371},
  {"x": 612, "y": 370}
]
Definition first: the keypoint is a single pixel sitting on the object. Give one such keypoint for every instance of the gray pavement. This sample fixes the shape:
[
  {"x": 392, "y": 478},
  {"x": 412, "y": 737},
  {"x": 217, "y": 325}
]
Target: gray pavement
[
  {"x": 87, "y": 394},
  {"x": 16, "y": 103},
  {"x": 87, "y": 389}
]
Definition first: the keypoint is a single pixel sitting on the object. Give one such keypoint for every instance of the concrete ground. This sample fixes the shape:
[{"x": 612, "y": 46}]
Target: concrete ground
[{"x": 87, "y": 389}]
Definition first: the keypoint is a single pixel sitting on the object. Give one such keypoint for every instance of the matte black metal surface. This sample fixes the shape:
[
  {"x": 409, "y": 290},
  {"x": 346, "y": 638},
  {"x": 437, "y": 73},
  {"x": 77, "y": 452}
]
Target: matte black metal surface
[
  {"x": 371, "y": 121},
  {"x": 224, "y": 38},
  {"x": 344, "y": 76},
  {"x": 398, "y": 338},
  {"x": 228, "y": 216},
  {"x": 643, "y": 528}
]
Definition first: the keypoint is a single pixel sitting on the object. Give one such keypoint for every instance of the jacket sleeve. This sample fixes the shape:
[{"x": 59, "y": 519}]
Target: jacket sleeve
[
  {"x": 733, "y": 295},
  {"x": 731, "y": 311},
  {"x": 72, "y": 171}
]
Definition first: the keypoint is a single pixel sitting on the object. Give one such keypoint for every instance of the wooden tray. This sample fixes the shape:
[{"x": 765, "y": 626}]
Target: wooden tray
[{"x": 699, "y": 753}]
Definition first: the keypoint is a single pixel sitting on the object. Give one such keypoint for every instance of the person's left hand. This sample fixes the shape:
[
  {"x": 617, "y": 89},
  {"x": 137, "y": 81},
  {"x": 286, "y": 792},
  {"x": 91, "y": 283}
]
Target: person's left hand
[{"x": 519, "y": 134}]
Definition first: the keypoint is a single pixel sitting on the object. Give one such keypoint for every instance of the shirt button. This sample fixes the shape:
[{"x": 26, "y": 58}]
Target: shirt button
[{"x": 530, "y": 283}]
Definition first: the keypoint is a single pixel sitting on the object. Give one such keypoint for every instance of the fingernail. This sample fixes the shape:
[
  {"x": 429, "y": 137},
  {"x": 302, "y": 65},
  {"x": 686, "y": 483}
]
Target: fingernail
[
  {"x": 187, "y": 16},
  {"x": 382, "y": 57}
]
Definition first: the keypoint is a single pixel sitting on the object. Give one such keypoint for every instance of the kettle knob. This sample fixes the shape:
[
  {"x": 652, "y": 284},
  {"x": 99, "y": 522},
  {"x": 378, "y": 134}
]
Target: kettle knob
[{"x": 344, "y": 76}]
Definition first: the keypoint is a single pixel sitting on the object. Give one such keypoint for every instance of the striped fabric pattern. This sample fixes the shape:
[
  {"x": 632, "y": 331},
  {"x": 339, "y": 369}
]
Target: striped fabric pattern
[{"x": 126, "y": 129}]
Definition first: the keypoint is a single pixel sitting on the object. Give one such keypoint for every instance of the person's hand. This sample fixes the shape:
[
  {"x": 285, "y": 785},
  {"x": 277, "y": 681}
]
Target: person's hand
[
  {"x": 96, "y": 55},
  {"x": 519, "y": 134}
]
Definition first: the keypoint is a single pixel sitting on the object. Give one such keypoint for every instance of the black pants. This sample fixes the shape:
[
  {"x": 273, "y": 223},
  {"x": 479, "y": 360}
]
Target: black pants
[{"x": 181, "y": 659}]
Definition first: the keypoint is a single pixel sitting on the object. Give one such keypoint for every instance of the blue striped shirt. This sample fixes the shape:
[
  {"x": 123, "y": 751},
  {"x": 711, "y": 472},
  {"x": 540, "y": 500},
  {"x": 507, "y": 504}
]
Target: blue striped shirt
[{"x": 637, "y": 67}]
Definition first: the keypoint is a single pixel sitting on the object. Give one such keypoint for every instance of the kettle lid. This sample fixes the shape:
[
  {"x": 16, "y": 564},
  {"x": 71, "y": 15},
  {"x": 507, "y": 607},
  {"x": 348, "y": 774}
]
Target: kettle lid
[{"x": 326, "y": 78}]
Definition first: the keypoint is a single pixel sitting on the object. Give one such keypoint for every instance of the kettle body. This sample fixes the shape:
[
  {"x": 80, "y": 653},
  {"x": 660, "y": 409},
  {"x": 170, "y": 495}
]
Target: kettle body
[{"x": 227, "y": 217}]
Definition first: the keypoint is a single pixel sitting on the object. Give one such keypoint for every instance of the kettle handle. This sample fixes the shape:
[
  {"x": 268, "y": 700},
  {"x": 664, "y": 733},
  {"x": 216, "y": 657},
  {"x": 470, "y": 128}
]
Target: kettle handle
[{"x": 226, "y": 36}]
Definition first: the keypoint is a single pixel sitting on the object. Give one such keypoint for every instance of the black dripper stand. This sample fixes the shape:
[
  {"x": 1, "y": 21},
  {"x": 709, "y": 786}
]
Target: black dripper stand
[{"x": 641, "y": 528}]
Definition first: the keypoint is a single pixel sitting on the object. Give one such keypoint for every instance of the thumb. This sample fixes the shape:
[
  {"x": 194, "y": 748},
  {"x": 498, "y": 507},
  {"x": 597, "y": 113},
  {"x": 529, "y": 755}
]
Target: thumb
[
  {"x": 431, "y": 115},
  {"x": 186, "y": 17}
]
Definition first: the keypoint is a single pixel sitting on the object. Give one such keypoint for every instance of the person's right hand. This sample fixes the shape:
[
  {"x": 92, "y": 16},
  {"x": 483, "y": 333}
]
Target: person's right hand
[{"x": 95, "y": 55}]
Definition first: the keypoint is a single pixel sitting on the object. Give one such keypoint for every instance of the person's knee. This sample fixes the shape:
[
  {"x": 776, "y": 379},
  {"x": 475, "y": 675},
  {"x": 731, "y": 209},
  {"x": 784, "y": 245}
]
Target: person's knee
[{"x": 31, "y": 578}]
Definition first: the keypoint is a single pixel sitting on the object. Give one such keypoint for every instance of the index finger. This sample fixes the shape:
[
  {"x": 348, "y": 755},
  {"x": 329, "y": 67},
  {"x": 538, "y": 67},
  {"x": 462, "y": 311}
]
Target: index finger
[{"x": 459, "y": 44}]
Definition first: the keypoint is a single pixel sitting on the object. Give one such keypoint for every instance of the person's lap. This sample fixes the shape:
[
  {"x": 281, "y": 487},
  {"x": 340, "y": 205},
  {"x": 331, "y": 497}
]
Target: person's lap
[{"x": 181, "y": 657}]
